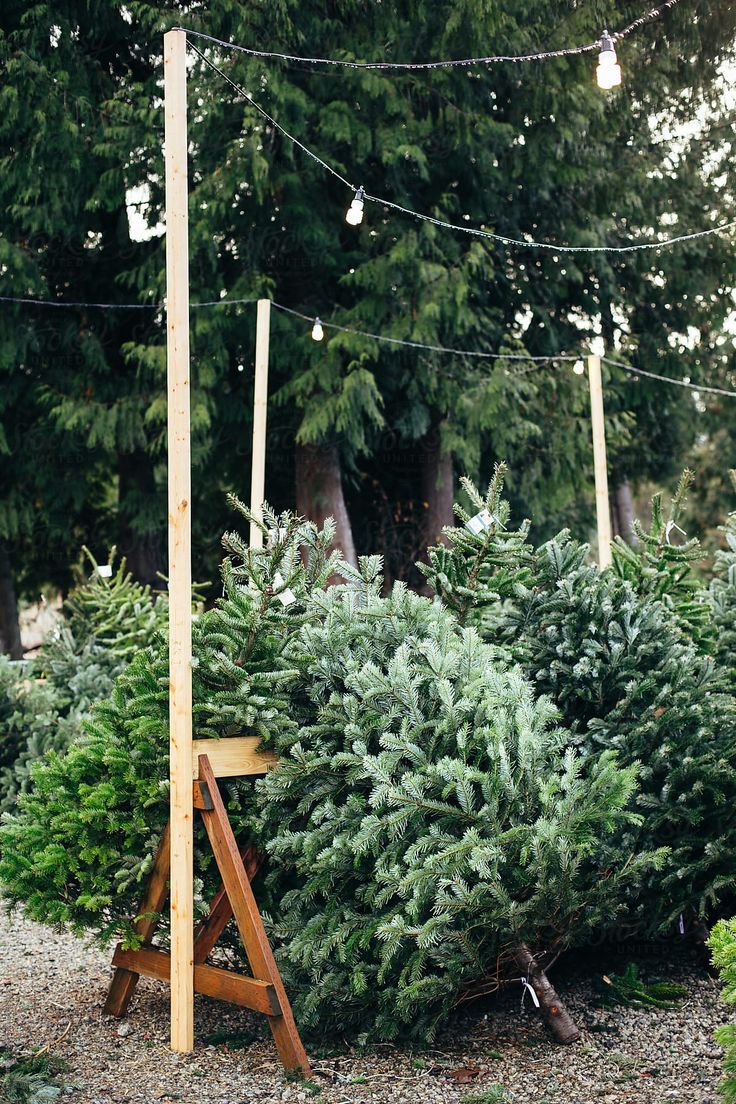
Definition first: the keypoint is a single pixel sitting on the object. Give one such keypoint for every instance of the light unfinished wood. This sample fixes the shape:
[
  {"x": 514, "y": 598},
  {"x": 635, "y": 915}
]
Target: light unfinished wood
[
  {"x": 180, "y": 559},
  {"x": 602, "y": 505},
  {"x": 233, "y": 756},
  {"x": 260, "y": 410}
]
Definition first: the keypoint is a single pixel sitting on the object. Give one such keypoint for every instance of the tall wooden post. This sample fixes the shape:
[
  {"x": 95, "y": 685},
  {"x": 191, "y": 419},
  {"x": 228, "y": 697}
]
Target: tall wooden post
[
  {"x": 180, "y": 544},
  {"x": 260, "y": 408},
  {"x": 602, "y": 507}
]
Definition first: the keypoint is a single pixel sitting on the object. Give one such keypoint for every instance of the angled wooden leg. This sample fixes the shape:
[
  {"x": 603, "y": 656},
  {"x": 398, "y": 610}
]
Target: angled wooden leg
[
  {"x": 122, "y": 986},
  {"x": 221, "y": 911},
  {"x": 250, "y": 925}
]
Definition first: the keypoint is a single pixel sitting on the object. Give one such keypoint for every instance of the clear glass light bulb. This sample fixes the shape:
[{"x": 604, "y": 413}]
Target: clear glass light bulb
[
  {"x": 354, "y": 215},
  {"x": 578, "y": 368},
  {"x": 608, "y": 73},
  {"x": 317, "y": 332}
]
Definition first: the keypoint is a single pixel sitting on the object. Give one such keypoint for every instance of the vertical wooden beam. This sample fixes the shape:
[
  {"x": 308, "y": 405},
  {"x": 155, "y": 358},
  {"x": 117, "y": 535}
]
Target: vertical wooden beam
[
  {"x": 180, "y": 544},
  {"x": 602, "y": 506},
  {"x": 260, "y": 406}
]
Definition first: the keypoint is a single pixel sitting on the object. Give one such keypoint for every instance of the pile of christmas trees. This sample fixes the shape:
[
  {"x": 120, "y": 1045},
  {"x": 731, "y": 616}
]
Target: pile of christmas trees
[
  {"x": 106, "y": 619},
  {"x": 468, "y": 784}
]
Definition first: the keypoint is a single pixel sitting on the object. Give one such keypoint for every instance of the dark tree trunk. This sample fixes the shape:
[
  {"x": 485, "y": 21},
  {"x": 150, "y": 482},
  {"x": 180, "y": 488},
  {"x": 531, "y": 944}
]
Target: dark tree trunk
[
  {"x": 319, "y": 493},
  {"x": 553, "y": 1011},
  {"x": 623, "y": 511},
  {"x": 10, "y": 643},
  {"x": 437, "y": 487},
  {"x": 144, "y": 550}
]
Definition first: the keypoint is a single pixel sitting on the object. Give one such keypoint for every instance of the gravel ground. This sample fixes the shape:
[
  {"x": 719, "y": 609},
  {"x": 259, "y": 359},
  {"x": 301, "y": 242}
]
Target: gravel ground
[{"x": 52, "y": 987}]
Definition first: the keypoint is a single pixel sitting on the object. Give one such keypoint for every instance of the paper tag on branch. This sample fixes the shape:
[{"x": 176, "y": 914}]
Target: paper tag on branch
[
  {"x": 528, "y": 989},
  {"x": 286, "y": 597},
  {"x": 105, "y": 571},
  {"x": 482, "y": 521}
]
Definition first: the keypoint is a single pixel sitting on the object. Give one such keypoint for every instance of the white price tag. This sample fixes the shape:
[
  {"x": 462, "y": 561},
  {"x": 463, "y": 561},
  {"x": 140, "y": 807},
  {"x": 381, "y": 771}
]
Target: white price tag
[
  {"x": 286, "y": 597},
  {"x": 482, "y": 521},
  {"x": 528, "y": 989},
  {"x": 105, "y": 571}
]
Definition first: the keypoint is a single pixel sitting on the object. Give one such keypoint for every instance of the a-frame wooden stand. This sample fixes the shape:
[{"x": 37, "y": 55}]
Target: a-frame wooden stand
[{"x": 264, "y": 991}]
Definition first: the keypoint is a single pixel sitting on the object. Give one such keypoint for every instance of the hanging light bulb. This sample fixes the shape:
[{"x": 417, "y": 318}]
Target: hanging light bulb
[
  {"x": 608, "y": 73},
  {"x": 317, "y": 332},
  {"x": 354, "y": 214},
  {"x": 578, "y": 368}
]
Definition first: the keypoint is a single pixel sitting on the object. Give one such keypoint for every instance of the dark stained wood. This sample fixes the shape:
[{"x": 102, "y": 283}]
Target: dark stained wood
[
  {"x": 124, "y": 981},
  {"x": 264, "y": 992},
  {"x": 250, "y": 925},
  {"x": 209, "y": 980},
  {"x": 201, "y": 796},
  {"x": 221, "y": 911}
]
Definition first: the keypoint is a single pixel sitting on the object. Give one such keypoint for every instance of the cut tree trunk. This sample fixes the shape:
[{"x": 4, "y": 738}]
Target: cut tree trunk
[
  {"x": 623, "y": 511},
  {"x": 553, "y": 1011},
  {"x": 319, "y": 493},
  {"x": 10, "y": 642},
  {"x": 437, "y": 487}
]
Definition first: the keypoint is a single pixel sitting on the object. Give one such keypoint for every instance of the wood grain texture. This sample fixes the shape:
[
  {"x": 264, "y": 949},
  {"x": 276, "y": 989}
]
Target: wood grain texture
[
  {"x": 180, "y": 543},
  {"x": 250, "y": 925},
  {"x": 123, "y": 984},
  {"x": 602, "y": 505},
  {"x": 233, "y": 757},
  {"x": 209, "y": 980},
  {"x": 260, "y": 415}
]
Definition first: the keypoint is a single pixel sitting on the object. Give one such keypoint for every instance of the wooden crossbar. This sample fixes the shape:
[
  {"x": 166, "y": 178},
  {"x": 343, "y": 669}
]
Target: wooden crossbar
[
  {"x": 210, "y": 980},
  {"x": 263, "y": 992},
  {"x": 233, "y": 757}
]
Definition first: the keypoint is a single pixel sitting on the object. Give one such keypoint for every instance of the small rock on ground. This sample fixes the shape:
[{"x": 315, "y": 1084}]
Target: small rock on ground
[{"x": 52, "y": 987}]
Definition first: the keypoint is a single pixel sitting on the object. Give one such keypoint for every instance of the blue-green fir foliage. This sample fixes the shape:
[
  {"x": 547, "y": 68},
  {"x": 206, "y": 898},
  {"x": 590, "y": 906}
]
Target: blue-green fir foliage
[
  {"x": 628, "y": 675},
  {"x": 430, "y": 819},
  {"x": 106, "y": 621},
  {"x": 723, "y": 597},
  {"x": 427, "y": 816}
]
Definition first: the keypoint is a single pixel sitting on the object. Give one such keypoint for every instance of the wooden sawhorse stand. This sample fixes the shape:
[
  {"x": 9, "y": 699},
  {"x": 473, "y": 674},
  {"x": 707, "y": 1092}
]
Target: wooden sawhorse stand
[{"x": 264, "y": 992}]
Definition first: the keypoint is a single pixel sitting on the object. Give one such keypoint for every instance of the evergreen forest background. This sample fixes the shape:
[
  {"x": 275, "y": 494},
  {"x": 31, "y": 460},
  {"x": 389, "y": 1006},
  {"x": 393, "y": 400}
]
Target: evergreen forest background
[{"x": 372, "y": 434}]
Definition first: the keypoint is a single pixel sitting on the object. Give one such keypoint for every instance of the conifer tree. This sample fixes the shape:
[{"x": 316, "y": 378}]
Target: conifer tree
[
  {"x": 108, "y": 789},
  {"x": 513, "y": 153},
  {"x": 425, "y": 811},
  {"x": 424, "y": 820},
  {"x": 659, "y": 566},
  {"x": 626, "y": 676},
  {"x": 105, "y": 621},
  {"x": 723, "y": 947},
  {"x": 723, "y": 597}
]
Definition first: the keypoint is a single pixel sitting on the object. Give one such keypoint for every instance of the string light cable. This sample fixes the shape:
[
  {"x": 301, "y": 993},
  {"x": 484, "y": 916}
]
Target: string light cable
[
  {"x": 536, "y": 361},
  {"x": 669, "y": 379},
  {"x": 317, "y": 326},
  {"x": 493, "y": 59},
  {"x": 476, "y": 353},
  {"x": 119, "y": 306},
  {"x": 361, "y": 194}
]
